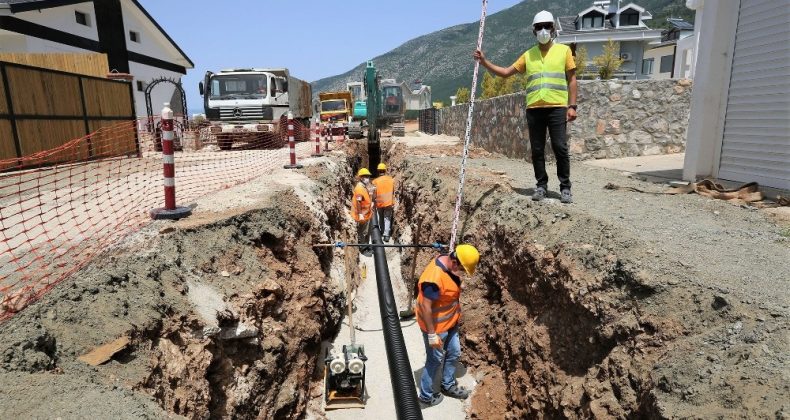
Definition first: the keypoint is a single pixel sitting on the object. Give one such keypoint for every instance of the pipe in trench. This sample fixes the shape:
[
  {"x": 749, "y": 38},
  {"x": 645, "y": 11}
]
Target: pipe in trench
[{"x": 407, "y": 405}]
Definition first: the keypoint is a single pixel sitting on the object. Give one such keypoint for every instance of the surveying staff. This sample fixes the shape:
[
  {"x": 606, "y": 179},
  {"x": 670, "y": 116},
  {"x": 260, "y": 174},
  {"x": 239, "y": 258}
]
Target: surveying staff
[
  {"x": 385, "y": 189},
  {"x": 438, "y": 312},
  {"x": 551, "y": 100},
  {"x": 361, "y": 210}
]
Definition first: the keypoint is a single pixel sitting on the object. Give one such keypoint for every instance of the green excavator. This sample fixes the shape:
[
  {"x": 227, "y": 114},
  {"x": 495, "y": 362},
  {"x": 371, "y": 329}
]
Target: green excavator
[{"x": 384, "y": 108}]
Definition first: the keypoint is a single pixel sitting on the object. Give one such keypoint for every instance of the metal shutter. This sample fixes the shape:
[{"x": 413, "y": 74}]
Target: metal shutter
[{"x": 756, "y": 144}]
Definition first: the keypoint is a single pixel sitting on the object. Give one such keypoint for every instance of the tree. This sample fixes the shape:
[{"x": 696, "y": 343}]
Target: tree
[
  {"x": 581, "y": 61},
  {"x": 609, "y": 62},
  {"x": 462, "y": 95},
  {"x": 491, "y": 86}
]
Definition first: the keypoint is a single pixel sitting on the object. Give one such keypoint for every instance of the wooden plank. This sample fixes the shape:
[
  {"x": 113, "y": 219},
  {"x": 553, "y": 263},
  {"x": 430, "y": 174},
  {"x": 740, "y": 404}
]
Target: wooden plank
[
  {"x": 90, "y": 64},
  {"x": 37, "y": 92},
  {"x": 7, "y": 149},
  {"x": 104, "y": 353},
  {"x": 119, "y": 141},
  {"x": 3, "y": 104},
  {"x": 39, "y": 135},
  {"x": 105, "y": 98}
]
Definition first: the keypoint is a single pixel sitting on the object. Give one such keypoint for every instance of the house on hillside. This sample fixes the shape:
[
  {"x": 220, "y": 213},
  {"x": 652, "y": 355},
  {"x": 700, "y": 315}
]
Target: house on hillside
[
  {"x": 661, "y": 57},
  {"x": 604, "y": 20},
  {"x": 417, "y": 96},
  {"x": 739, "y": 126},
  {"x": 122, "y": 29}
]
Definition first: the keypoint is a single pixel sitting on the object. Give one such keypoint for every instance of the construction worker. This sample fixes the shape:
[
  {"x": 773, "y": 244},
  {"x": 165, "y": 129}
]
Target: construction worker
[
  {"x": 438, "y": 311},
  {"x": 361, "y": 210},
  {"x": 551, "y": 100},
  {"x": 385, "y": 189}
]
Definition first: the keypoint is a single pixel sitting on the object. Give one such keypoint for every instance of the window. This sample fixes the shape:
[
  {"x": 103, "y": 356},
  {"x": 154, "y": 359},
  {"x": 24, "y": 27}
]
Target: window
[
  {"x": 667, "y": 62},
  {"x": 647, "y": 66},
  {"x": 629, "y": 17},
  {"x": 592, "y": 20},
  {"x": 140, "y": 86},
  {"x": 134, "y": 36},
  {"x": 82, "y": 18}
]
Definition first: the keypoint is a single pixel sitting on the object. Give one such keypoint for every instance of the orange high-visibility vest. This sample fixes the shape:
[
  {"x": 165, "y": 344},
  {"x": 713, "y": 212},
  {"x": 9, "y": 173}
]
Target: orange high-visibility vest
[
  {"x": 385, "y": 188},
  {"x": 447, "y": 309},
  {"x": 360, "y": 204}
]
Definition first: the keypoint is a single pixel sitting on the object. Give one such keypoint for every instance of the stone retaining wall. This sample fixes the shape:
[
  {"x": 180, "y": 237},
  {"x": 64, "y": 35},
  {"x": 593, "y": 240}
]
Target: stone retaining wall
[{"x": 616, "y": 119}]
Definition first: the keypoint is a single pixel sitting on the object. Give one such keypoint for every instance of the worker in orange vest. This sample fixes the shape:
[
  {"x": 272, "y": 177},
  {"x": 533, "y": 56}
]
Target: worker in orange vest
[
  {"x": 385, "y": 190},
  {"x": 361, "y": 209},
  {"x": 438, "y": 311}
]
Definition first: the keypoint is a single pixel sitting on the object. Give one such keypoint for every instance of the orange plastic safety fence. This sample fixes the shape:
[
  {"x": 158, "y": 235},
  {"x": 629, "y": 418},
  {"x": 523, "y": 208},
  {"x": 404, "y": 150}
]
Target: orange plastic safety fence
[{"x": 60, "y": 208}]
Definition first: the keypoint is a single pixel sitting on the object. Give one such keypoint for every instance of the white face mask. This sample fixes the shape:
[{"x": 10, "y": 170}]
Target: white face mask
[
  {"x": 366, "y": 181},
  {"x": 544, "y": 36}
]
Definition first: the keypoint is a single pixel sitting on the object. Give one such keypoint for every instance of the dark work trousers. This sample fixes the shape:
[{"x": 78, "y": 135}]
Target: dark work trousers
[{"x": 553, "y": 119}]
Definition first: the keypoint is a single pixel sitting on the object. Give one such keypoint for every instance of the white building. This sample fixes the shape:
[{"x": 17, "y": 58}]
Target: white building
[
  {"x": 603, "y": 21},
  {"x": 739, "y": 127},
  {"x": 133, "y": 41},
  {"x": 660, "y": 60}
]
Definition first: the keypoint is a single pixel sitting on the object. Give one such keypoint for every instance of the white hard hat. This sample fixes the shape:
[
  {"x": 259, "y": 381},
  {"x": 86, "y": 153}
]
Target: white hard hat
[{"x": 543, "y": 17}]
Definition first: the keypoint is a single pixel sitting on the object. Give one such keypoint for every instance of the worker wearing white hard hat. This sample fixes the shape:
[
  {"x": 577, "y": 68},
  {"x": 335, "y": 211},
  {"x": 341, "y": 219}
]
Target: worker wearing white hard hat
[{"x": 551, "y": 100}]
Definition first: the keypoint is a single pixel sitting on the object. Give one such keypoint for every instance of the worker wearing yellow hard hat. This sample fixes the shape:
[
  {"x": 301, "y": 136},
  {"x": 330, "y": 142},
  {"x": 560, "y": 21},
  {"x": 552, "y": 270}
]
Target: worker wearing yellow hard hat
[
  {"x": 385, "y": 203},
  {"x": 438, "y": 312},
  {"x": 361, "y": 210}
]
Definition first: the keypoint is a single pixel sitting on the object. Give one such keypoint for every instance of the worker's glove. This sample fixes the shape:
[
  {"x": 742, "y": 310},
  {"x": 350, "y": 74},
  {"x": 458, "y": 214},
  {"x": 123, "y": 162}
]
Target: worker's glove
[{"x": 435, "y": 341}]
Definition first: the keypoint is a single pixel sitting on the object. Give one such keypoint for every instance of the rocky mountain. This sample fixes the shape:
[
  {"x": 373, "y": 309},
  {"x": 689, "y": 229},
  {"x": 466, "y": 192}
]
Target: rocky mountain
[{"x": 443, "y": 59}]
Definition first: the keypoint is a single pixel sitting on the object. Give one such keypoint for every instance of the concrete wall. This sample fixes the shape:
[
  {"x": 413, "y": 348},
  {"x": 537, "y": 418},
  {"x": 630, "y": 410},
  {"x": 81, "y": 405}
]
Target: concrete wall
[
  {"x": 616, "y": 119},
  {"x": 717, "y": 22}
]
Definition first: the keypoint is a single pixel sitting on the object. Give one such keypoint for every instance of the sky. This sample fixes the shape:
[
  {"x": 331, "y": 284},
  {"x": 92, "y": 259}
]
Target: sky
[{"x": 313, "y": 39}]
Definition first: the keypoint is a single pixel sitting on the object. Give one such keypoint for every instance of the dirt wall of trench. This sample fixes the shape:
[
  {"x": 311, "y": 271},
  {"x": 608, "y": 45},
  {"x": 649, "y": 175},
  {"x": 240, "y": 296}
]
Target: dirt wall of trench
[
  {"x": 561, "y": 320},
  {"x": 225, "y": 318}
]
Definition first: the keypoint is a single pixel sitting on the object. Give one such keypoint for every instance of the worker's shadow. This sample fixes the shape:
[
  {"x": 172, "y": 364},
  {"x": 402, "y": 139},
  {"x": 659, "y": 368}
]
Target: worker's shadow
[
  {"x": 460, "y": 371},
  {"x": 530, "y": 191}
]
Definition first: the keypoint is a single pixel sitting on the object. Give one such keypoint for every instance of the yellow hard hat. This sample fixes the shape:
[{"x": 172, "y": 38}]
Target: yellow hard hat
[
  {"x": 468, "y": 256},
  {"x": 382, "y": 167},
  {"x": 363, "y": 172}
]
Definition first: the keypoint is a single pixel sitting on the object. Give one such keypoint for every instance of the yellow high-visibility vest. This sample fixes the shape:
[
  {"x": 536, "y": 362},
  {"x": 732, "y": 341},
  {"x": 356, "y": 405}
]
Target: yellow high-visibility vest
[{"x": 546, "y": 75}]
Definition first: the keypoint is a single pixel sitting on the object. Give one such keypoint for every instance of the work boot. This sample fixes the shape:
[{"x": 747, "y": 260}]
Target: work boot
[
  {"x": 539, "y": 194},
  {"x": 386, "y": 238},
  {"x": 566, "y": 197},
  {"x": 435, "y": 400},
  {"x": 456, "y": 391}
]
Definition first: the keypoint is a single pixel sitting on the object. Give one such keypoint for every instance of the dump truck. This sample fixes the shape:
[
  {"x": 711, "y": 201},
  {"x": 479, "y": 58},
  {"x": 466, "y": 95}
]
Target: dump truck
[
  {"x": 336, "y": 108},
  {"x": 242, "y": 103}
]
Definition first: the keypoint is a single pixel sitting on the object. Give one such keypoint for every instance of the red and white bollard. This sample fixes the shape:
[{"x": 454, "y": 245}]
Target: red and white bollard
[
  {"x": 327, "y": 136},
  {"x": 317, "y": 132},
  {"x": 342, "y": 134},
  {"x": 291, "y": 144},
  {"x": 170, "y": 210}
]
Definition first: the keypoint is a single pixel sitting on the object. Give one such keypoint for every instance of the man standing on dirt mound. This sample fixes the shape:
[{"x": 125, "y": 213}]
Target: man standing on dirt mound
[
  {"x": 361, "y": 210},
  {"x": 551, "y": 100},
  {"x": 385, "y": 189},
  {"x": 438, "y": 311}
]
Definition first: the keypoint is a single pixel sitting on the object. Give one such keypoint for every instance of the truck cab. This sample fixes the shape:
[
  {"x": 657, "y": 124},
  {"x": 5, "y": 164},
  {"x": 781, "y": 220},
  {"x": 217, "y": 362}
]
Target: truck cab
[{"x": 250, "y": 101}]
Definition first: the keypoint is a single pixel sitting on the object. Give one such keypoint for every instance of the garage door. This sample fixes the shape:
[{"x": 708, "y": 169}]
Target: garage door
[{"x": 756, "y": 145}]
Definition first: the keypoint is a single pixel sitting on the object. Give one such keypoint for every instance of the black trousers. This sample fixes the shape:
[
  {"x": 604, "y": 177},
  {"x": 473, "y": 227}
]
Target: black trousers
[{"x": 554, "y": 120}]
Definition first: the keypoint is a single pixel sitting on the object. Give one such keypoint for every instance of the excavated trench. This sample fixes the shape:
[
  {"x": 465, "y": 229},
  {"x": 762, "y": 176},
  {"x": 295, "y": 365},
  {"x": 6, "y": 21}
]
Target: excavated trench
[
  {"x": 553, "y": 323},
  {"x": 225, "y": 318}
]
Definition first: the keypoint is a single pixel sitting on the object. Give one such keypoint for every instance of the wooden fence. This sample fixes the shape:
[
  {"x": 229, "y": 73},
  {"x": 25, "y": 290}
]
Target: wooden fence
[
  {"x": 87, "y": 64},
  {"x": 41, "y": 109}
]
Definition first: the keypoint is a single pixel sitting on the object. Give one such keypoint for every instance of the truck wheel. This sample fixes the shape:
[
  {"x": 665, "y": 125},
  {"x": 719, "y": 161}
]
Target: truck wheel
[{"x": 224, "y": 141}]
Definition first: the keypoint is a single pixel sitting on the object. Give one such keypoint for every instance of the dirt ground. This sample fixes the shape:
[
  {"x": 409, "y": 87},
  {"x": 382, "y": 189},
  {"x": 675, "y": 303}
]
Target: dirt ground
[
  {"x": 225, "y": 312},
  {"x": 621, "y": 305}
]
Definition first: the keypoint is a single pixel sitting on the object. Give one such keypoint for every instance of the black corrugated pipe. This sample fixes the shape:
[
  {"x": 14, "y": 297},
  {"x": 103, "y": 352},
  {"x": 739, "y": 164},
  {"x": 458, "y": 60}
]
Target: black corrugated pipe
[{"x": 407, "y": 405}]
